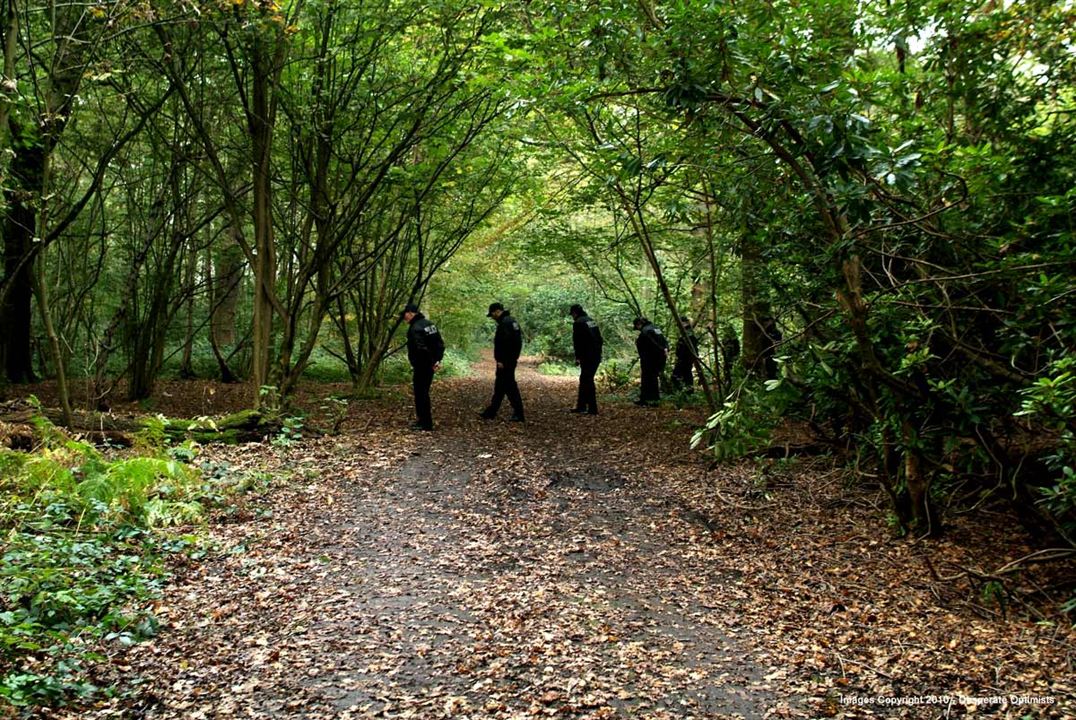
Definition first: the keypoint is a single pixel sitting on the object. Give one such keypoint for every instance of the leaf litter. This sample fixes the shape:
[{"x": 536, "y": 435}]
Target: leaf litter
[{"x": 570, "y": 567}]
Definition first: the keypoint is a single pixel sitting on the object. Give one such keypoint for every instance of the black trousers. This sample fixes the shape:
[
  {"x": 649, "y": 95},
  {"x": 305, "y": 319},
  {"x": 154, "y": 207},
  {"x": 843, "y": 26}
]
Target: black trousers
[
  {"x": 588, "y": 393},
  {"x": 421, "y": 380},
  {"x": 650, "y": 391},
  {"x": 504, "y": 383},
  {"x": 682, "y": 374}
]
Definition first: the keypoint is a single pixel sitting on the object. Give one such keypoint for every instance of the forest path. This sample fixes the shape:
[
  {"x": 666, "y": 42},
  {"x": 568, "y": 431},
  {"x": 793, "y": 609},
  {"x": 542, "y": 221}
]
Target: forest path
[{"x": 486, "y": 570}]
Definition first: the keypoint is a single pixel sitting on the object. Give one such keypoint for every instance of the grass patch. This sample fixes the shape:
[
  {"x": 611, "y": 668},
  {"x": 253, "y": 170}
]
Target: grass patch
[{"x": 557, "y": 369}]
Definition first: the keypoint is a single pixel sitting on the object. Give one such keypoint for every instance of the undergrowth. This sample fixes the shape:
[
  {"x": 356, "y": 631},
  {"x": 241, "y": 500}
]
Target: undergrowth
[{"x": 85, "y": 550}]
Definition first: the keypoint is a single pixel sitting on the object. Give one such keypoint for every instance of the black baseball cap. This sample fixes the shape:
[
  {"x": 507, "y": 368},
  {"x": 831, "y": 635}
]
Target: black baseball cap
[
  {"x": 409, "y": 307},
  {"x": 493, "y": 307}
]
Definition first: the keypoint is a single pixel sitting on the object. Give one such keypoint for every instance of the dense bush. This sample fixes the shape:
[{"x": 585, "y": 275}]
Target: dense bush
[{"x": 886, "y": 197}]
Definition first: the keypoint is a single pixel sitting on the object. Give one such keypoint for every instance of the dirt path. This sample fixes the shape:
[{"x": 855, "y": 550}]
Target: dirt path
[
  {"x": 487, "y": 570},
  {"x": 571, "y": 567}
]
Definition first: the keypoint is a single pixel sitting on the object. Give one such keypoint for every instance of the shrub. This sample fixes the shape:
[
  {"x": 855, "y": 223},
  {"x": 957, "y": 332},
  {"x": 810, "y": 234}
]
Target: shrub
[
  {"x": 1050, "y": 404},
  {"x": 745, "y": 422}
]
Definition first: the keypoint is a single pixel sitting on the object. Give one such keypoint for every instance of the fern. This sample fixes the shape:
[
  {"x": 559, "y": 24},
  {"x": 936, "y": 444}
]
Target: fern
[{"x": 160, "y": 512}]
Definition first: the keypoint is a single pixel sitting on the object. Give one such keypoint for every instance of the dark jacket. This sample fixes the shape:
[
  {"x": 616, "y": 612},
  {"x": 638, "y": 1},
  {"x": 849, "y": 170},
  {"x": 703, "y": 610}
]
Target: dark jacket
[
  {"x": 508, "y": 341},
  {"x": 425, "y": 348},
  {"x": 687, "y": 348},
  {"x": 652, "y": 346},
  {"x": 587, "y": 340}
]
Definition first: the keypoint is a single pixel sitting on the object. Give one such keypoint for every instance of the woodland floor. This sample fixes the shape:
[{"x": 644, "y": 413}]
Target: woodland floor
[{"x": 576, "y": 567}]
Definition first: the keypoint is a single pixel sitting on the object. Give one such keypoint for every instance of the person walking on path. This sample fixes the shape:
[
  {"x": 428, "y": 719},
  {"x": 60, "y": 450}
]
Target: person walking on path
[
  {"x": 425, "y": 350},
  {"x": 653, "y": 350},
  {"x": 507, "y": 345},
  {"x": 587, "y": 342},
  {"x": 687, "y": 349}
]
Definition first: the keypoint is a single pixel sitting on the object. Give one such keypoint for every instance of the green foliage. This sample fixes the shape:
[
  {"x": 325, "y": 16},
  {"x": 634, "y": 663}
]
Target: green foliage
[
  {"x": 543, "y": 309},
  {"x": 325, "y": 368},
  {"x": 557, "y": 369},
  {"x": 82, "y": 557},
  {"x": 455, "y": 364},
  {"x": 902, "y": 180},
  {"x": 291, "y": 432},
  {"x": 1050, "y": 404},
  {"x": 45, "y": 429},
  {"x": 615, "y": 374},
  {"x": 548, "y": 326},
  {"x": 744, "y": 424},
  {"x": 335, "y": 408},
  {"x": 62, "y": 592},
  {"x": 397, "y": 371},
  {"x": 993, "y": 593},
  {"x": 683, "y": 397},
  {"x": 272, "y": 402},
  {"x": 893, "y": 187}
]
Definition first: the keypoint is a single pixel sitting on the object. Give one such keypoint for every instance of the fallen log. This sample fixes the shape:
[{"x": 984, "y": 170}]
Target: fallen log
[{"x": 22, "y": 427}]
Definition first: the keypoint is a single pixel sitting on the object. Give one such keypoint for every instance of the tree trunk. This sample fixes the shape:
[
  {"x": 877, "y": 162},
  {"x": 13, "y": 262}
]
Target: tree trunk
[
  {"x": 22, "y": 193},
  {"x": 152, "y": 329},
  {"x": 25, "y": 185},
  {"x": 43, "y": 306},
  {"x": 41, "y": 289},
  {"x": 756, "y": 346},
  {"x": 369, "y": 370},
  {"x": 226, "y": 269},
  {"x": 188, "y": 261},
  {"x": 291, "y": 372},
  {"x": 186, "y": 369},
  {"x": 350, "y": 358},
  {"x": 918, "y": 484},
  {"x": 223, "y": 295},
  {"x": 261, "y": 132},
  {"x": 722, "y": 371}
]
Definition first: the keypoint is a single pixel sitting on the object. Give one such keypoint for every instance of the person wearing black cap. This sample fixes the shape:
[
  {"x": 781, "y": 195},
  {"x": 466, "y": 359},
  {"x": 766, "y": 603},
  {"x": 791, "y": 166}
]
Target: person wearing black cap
[
  {"x": 587, "y": 342},
  {"x": 507, "y": 345},
  {"x": 425, "y": 350},
  {"x": 653, "y": 350}
]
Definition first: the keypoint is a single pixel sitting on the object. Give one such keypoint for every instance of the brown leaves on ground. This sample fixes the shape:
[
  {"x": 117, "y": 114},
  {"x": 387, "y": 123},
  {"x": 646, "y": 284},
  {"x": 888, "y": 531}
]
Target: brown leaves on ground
[{"x": 572, "y": 567}]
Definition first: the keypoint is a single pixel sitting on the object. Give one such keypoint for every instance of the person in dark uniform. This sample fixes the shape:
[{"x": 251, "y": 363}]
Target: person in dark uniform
[
  {"x": 425, "y": 350},
  {"x": 507, "y": 345},
  {"x": 687, "y": 349},
  {"x": 587, "y": 342},
  {"x": 653, "y": 350},
  {"x": 774, "y": 338}
]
